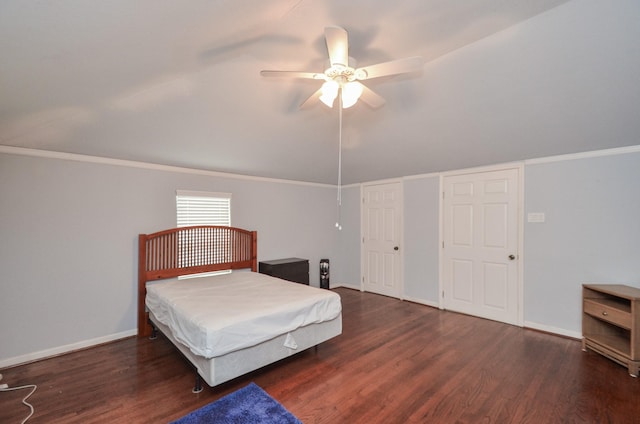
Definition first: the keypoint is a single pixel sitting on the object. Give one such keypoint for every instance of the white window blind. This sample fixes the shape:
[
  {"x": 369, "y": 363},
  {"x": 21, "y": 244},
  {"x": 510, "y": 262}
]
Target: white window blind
[{"x": 203, "y": 208}]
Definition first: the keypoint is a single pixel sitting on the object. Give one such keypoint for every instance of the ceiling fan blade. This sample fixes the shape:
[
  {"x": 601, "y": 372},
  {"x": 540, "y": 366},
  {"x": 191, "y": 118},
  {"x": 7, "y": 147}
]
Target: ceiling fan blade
[
  {"x": 394, "y": 67},
  {"x": 337, "y": 45},
  {"x": 311, "y": 100},
  {"x": 292, "y": 74},
  {"x": 371, "y": 98}
]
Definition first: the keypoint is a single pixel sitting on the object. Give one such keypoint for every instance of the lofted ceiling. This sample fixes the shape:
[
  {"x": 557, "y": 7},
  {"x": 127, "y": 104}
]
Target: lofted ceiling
[{"x": 178, "y": 83}]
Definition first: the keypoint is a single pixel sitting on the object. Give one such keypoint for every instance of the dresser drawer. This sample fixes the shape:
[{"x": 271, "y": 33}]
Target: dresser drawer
[{"x": 607, "y": 313}]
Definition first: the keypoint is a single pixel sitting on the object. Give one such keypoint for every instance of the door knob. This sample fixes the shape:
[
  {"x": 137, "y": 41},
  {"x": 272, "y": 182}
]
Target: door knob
[
  {"x": 511, "y": 257},
  {"x": 396, "y": 248}
]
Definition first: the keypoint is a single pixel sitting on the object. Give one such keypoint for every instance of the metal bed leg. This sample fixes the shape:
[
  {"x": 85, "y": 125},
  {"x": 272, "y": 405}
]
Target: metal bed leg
[
  {"x": 197, "y": 388},
  {"x": 154, "y": 333}
]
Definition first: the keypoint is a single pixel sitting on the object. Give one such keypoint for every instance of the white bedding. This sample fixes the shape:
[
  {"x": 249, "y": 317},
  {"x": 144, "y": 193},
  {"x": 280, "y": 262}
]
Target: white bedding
[{"x": 216, "y": 315}]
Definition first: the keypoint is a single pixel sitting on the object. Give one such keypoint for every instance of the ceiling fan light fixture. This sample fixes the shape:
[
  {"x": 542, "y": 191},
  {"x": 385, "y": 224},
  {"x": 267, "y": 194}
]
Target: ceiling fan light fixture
[
  {"x": 329, "y": 92},
  {"x": 351, "y": 92}
]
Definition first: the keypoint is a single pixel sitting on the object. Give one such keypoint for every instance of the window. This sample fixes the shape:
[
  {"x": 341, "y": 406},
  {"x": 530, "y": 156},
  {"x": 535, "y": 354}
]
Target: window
[{"x": 202, "y": 208}]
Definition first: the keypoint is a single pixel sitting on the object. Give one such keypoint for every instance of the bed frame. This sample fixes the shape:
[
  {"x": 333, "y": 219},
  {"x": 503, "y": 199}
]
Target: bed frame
[{"x": 191, "y": 250}]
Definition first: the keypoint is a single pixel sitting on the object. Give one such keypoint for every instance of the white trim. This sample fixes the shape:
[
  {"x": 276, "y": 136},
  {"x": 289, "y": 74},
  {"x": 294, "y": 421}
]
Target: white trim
[
  {"x": 168, "y": 168},
  {"x": 585, "y": 155},
  {"x": 421, "y": 176},
  {"x": 348, "y": 185},
  {"x": 402, "y": 249},
  {"x": 553, "y": 330},
  {"x": 520, "y": 256},
  {"x": 384, "y": 181},
  {"x": 361, "y": 202},
  {"x": 48, "y": 353},
  {"x": 144, "y": 165},
  {"x": 422, "y": 302},
  {"x": 345, "y": 285},
  {"x": 480, "y": 169},
  {"x": 440, "y": 242}
]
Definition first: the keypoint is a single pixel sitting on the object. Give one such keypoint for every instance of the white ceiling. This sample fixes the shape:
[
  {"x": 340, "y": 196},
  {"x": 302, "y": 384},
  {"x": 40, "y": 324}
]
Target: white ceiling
[{"x": 178, "y": 83}]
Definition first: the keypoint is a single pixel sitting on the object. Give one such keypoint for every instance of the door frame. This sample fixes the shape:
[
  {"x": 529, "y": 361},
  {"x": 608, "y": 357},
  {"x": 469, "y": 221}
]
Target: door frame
[
  {"x": 519, "y": 166},
  {"x": 401, "y": 229}
]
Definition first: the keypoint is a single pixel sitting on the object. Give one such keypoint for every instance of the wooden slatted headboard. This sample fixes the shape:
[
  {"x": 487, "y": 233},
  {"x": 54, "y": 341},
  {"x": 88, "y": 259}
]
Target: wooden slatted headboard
[{"x": 190, "y": 250}]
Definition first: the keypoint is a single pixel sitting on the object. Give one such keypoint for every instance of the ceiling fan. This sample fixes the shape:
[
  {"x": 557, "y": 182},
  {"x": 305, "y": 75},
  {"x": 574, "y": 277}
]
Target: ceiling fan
[{"x": 341, "y": 78}]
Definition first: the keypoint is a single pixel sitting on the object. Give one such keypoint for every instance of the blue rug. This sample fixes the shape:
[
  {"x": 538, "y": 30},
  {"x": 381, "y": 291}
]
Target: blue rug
[{"x": 249, "y": 405}]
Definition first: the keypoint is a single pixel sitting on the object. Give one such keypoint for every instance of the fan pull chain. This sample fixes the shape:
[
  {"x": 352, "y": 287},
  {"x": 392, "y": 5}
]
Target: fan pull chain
[{"x": 339, "y": 200}]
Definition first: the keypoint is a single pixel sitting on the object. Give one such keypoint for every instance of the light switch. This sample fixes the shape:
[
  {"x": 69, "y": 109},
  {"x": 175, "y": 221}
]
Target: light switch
[{"x": 535, "y": 217}]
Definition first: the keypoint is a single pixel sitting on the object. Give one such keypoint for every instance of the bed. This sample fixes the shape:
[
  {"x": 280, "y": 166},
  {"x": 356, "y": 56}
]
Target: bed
[{"x": 231, "y": 324}]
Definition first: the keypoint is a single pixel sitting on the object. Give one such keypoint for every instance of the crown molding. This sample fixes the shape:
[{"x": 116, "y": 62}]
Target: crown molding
[{"x": 145, "y": 165}]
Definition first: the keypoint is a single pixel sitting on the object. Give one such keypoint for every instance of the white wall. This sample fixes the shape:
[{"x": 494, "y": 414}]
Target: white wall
[
  {"x": 421, "y": 236},
  {"x": 345, "y": 268},
  {"x": 68, "y": 248},
  {"x": 591, "y": 234}
]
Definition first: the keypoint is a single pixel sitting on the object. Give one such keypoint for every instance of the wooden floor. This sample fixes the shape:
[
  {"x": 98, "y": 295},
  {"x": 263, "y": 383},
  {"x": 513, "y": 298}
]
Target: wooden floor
[{"x": 396, "y": 362}]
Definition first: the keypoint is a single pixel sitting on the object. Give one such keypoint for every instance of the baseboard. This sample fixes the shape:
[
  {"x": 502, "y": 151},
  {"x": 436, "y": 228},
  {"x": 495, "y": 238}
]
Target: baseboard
[
  {"x": 553, "y": 330},
  {"x": 527, "y": 324},
  {"x": 48, "y": 353},
  {"x": 407, "y": 298},
  {"x": 348, "y": 286},
  {"x": 421, "y": 302}
]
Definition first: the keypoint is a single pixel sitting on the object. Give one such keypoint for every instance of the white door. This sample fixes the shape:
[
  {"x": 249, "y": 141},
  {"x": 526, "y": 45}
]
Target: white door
[
  {"x": 480, "y": 244},
  {"x": 381, "y": 229}
]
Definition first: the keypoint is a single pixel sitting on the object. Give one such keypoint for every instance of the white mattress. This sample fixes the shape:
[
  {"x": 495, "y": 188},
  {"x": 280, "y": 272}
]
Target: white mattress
[{"x": 217, "y": 315}]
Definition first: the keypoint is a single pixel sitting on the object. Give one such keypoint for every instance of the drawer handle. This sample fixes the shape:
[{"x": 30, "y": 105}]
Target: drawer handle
[{"x": 605, "y": 313}]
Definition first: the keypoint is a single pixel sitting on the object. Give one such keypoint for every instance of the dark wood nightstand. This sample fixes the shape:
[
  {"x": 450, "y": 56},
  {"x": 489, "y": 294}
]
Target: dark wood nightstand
[{"x": 292, "y": 269}]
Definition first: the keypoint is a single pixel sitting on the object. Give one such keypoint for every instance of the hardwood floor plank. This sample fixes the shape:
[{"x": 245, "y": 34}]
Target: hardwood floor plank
[{"x": 396, "y": 362}]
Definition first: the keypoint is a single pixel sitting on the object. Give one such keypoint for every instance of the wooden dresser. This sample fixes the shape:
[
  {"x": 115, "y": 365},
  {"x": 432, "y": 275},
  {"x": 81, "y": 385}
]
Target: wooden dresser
[
  {"x": 292, "y": 269},
  {"x": 611, "y": 323}
]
